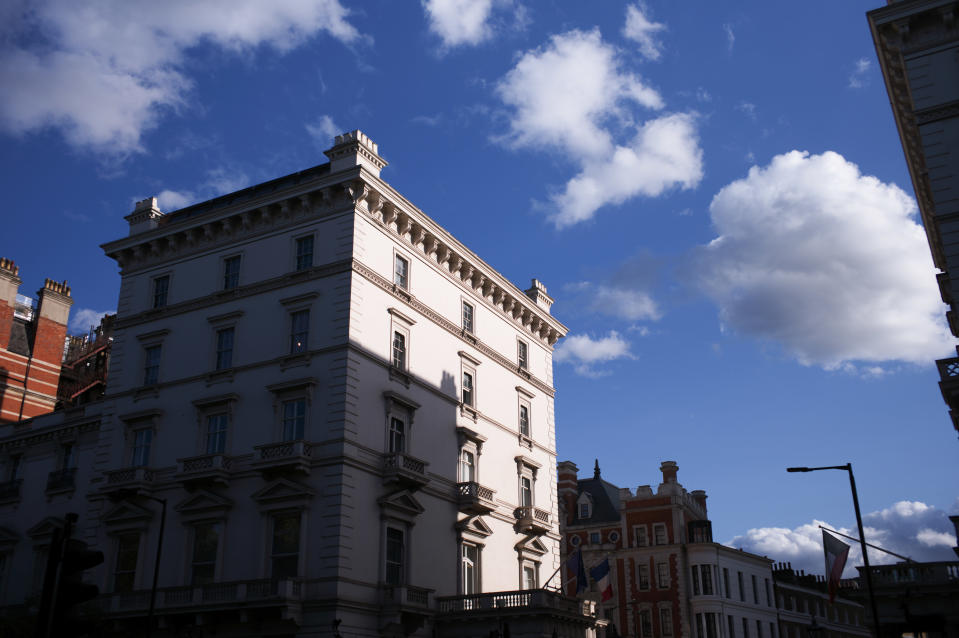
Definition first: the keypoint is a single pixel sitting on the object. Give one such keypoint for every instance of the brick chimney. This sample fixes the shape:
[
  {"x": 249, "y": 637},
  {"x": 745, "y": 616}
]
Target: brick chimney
[
  {"x": 145, "y": 216},
  {"x": 9, "y": 286},
  {"x": 669, "y": 470},
  {"x": 53, "y": 313},
  {"x": 567, "y": 486},
  {"x": 537, "y": 292},
  {"x": 355, "y": 149}
]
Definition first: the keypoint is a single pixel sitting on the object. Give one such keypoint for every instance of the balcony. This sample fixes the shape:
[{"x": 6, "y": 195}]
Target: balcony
[
  {"x": 129, "y": 478},
  {"x": 211, "y": 468},
  {"x": 405, "y": 470},
  {"x": 404, "y": 608},
  {"x": 235, "y": 596},
  {"x": 475, "y": 498},
  {"x": 10, "y": 491},
  {"x": 949, "y": 383},
  {"x": 64, "y": 480},
  {"x": 530, "y": 612},
  {"x": 532, "y": 520},
  {"x": 286, "y": 456}
]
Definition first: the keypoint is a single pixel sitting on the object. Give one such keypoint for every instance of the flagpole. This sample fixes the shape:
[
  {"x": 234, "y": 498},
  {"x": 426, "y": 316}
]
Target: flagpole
[{"x": 853, "y": 538}]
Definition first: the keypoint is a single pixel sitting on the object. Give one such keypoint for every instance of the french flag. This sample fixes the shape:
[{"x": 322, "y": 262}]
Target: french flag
[{"x": 600, "y": 574}]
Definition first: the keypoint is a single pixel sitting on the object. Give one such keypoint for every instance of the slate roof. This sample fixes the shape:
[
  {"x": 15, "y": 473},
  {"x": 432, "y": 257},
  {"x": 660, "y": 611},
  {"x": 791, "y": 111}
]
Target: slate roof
[{"x": 605, "y": 497}]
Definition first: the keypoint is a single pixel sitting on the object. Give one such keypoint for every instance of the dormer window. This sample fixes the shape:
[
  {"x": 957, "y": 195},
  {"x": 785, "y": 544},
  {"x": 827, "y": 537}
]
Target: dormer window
[
  {"x": 585, "y": 510},
  {"x": 584, "y": 506}
]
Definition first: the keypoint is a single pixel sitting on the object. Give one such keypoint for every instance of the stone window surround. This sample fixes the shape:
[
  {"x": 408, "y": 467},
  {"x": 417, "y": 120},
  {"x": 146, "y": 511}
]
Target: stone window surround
[
  {"x": 470, "y": 441},
  {"x": 149, "y": 340},
  {"x": 135, "y": 422},
  {"x": 208, "y": 406},
  {"x": 269, "y": 516},
  {"x": 154, "y": 278},
  {"x": 294, "y": 242},
  {"x": 221, "y": 281},
  {"x": 289, "y": 391},
  {"x": 191, "y": 526},
  {"x": 404, "y": 409},
  {"x": 526, "y": 467},
  {"x": 221, "y": 322}
]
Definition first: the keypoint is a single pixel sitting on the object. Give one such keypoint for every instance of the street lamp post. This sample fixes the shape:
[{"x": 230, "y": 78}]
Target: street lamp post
[
  {"x": 862, "y": 536},
  {"x": 156, "y": 564}
]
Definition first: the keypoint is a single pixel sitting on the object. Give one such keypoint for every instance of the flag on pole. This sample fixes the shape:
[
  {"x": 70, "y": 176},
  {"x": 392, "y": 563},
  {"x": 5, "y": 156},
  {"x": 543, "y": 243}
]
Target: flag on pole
[
  {"x": 600, "y": 574},
  {"x": 575, "y": 565},
  {"x": 836, "y": 553}
]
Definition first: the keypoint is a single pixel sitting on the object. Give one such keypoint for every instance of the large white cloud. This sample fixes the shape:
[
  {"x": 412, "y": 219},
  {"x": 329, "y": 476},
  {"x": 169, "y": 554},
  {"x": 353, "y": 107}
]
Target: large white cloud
[
  {"x": 83, "y": 319},
  {"x": 642, "y": 30},
  {"x": 459, "y": 22},
  {"x": 909, "y": 528},
  {"x": 825, "y": 261},
  {"x": 102, "y": 72},
  {"x": 584, "y": 352},
  {"x": 573, "y": 95}
]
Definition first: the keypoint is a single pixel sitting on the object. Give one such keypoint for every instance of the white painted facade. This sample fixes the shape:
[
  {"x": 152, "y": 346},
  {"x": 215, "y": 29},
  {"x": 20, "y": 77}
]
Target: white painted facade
[{"x": 293, "y": 433}]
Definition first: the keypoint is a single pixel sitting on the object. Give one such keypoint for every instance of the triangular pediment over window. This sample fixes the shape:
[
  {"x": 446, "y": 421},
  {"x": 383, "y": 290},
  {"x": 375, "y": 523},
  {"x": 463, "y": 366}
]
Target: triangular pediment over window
[
  {"x": 204, "y": 503},
  {"x": 125, "y": 516},
  {"x": 402, "y": 505},
  {"x": 8, "y": 538},
  {"x": 283, "y": 492},
  {"x": 44, "y": 529},
  {"x": 474, "y": 527},
  {"x": 531, "y": 545}
]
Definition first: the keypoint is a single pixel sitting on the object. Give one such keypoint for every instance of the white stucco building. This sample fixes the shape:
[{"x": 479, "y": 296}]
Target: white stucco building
[{"x": 348, "y": 413}]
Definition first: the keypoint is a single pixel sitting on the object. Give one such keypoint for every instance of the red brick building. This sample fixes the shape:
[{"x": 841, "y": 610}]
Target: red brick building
[
  {"x": 31, "y": 345},
  {"x": 670, "y": 580}
]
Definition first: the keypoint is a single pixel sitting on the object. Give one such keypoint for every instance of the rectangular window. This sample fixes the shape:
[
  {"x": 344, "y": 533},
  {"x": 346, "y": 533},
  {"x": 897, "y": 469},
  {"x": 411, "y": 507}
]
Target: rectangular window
[
  {"x": 67, "y": 457},
  {"x": 662, "y": 575},
  {"x": 529, "y": 577},
  {"x": 395, "y": 550},
  {"x": 729, "y": 594},
  {"x": 646, "y": 623},
  {"x": 299, "y": 331},
  {"x": 151, "y": 365},
  {"x": 304, "y": 252},
  {"x": 467, "y": 467},
  {"x": 594, "y": 538},
  {"x": 745, "y": 628},
  {"x": 469, "y": 564},
  {"x": 659, "y": 534},
  {"x": 224, "y": 348},
  {"x": 468, "y": 389},
  {"x": 216, "y": 433},
  {"x": 522, "y": 355},
  {"x": 769, "y": 596},
  {"x": 468, "y": 317},
  {"x": 285, "y": 551},
  {"x": 399, "y": 350},
  {"x": 16, "y": 466},
  {"x": 706, "y": 625},
  {"x": 294, "y": 419},
  {"x": 707, "y": 578},
  {"x": 755, "y": 591},
  {"x": 759, "y": 629},
  {"x": 525, "y": 491},
  {"x": 666, "y": 622},
  {"x": 742, "y": 590},
  {"x": 231, "y": 272},
  {"x": 772, "y": 630},
  {"x": 732, "y": 627},
  {"x": 584, "y": 510},
  {"x": 401, "y": 272},
  {"x": 142, "y": 441},
  {"x": 397, "y": 435},
  {"x": 524, "y": 419},
  {"x": 125, "y": 567},
  {"x": 643, "y": 577},
  {"x": 161, "y": 290},
  {"x": 695, "y": 571},
  {"x": 642, "y": 536},
  {"x": 206, "y": 540}
]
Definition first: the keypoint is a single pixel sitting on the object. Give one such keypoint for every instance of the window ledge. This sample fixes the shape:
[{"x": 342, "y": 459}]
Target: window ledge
[
  {"x": 468, "y": 411},
  {"x": 220, "y": 376},
  {"x": 402, "y": 376},
  {"x": 295, "y": 360},
  {"x": 525, "y": 442},
  {"x": 146, "y": 392}
]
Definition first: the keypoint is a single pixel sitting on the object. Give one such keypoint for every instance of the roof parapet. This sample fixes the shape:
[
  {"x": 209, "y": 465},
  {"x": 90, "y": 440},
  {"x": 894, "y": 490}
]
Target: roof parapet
[
  {"x": 145, "y": 216},
  {"x": 352, "y": 149},
  {"x": 537, "y": 292}
]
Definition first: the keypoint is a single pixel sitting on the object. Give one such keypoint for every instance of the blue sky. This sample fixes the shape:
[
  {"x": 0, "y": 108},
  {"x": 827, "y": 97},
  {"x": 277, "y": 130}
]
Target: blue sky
[{"x": 716, "y": 197}]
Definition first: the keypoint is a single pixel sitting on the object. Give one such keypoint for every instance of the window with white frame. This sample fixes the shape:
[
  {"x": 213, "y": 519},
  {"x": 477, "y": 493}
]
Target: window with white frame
[
  {"x": 399, "y": 349},
  {"x": 525, "y": 491},
  {"x": 224, "y": 348},
  {"x": 469, "y": 568},
  {"x": 467, "y": 466},
  {"x": 641, "y": 535},
  {"x": 666, "y": 621},
  {"x": 522, "y": 354},
  {"x": 524, "y": 410},
  {"x": 469, "y": 387},
  {"x": 585, "y": 509},
  {"x": 742, "y": 588},
  {"x": 293, "y": 419},
  {"x": 728, "y": 593},
  {"x": 206, "y": 543},
  {"x": 231, "y": 272},
  {"x": 299, "y": 331},
  {"x": 468, "y": 314},
  {"x": 646, "y": 623},
  {"x": 395, "y": 564},
  {"x": 530, "y": 576},
  {"x": 659, "y": 534},
  {"x": 642, "y": 577},
  {"x": 662, "y": 575},
  {"x": 125, "y": 562},
  {"x": 706, "y": 625},
  {"x": 397, "y": 435},
  {"x": 304, "y": 252},
  {"x": 755, "y": 589},
  {"x": 142, "y": 444},
  {"x": 161, "y": 291},
  {"x": 216, "y": 430},
  {"x": 151, "y": 364},
  {"x": 285, "y": 546},
  {"x": 68, "y": 457},
  {"x": 401, "y": 271}
]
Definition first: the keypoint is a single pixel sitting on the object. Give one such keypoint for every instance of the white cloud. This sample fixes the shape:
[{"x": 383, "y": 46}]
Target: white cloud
[
  {"x": 643, "y": 31},
  {"x": 102, "y": 73},
  {"x": 584, "y": 352},
  {"x": 85, "y": 318},
  {"x": 573, "y": 95},
  {"x": 218, "y": 182},
  {"x": 858, "y": 78},
  {"x": 173, "y": 200},
  {"x": 323, "y": 130},
  {"x": 730, "y": 36},
  {"x": 825, "y": 261},
  {"x": 459, "y": 22},
  {"x": 909, "y": 528}
]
